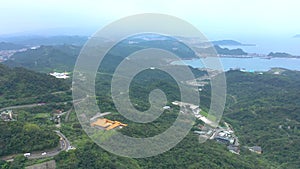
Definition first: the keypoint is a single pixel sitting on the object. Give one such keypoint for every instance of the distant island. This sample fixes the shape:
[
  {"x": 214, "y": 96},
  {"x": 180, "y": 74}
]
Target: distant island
[
  {"x": 226, "y": 51},
  {"x": 280, "y": 54},
  {"x": 230, "y": 43},
  {"x": 297, "y": 36}
]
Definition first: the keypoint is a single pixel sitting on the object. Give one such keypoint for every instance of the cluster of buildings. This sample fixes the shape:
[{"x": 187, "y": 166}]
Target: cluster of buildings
[
  {"x": 224, "y": 135},
  {"x": 6, "y": 54},
  {"x": 227, "y": 137},
  {"x": 7, "y": 115}
]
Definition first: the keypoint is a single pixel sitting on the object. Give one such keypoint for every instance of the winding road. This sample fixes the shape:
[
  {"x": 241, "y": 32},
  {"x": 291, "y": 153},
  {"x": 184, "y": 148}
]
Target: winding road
[
  {"x": 64, "y": 142},
  {"x": 64, "y": 146}
]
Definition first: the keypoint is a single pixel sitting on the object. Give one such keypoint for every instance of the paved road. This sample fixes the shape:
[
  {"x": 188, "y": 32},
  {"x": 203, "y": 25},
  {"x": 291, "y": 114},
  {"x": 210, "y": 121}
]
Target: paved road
[
  {"x": 22, "y": 106},
  {"x": 38, "y": 104},
  {"x": 64, "y": 142},
  {"x": 64, "y": 145}
]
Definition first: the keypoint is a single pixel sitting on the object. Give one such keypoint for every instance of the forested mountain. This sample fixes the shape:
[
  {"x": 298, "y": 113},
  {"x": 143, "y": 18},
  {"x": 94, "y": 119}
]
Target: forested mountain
[
  {"x": 10, "y": 46},
  {"x": 20, "y": 82},
  {"x": 230, "y": 43},
  {"x": 262, "y": 108},
  {"x": 21, "y": 137},
  {"x": 63, "y": 57},
  {"x": 21, "y": 86},
  {"x": 280, "y": 54},
  {"x": 46, "y": 58},
  {"x": 265, "y": 111},
  {"x": 27, "y": 131},
  {"x": 224, "y": 51}
]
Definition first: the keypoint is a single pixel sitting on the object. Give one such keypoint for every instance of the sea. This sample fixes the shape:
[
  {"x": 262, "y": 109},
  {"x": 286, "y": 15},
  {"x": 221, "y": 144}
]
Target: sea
[
  {"x": 248, "y": 64},
  {"x": 263, "y": 47}
]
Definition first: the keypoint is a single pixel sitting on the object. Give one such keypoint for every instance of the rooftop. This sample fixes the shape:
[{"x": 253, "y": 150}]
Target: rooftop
[{"x": 107, "y": 124}]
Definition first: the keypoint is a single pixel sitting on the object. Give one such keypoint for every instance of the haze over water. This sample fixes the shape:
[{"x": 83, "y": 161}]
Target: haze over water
[
  {"x": 265, "y": 45},
  {"x": 249, "y": 64}
]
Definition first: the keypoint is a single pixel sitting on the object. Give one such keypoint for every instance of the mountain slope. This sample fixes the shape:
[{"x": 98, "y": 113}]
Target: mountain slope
[
  {"x": 266, "y": 112},
  {"x": 63, "y": 57},
  {"x": 10, "y": 46},
  {"x": 20, "y": 82},
  {"x": 46, "y": 58}
]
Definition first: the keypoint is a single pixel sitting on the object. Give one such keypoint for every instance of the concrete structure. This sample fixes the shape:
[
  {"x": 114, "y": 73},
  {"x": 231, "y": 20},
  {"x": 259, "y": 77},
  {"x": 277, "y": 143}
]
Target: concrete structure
[
  {"x": 7, "y": 115},
  {"x": 225, "y": 140},
  {"x": 256, "y": 149},
  {"x": 234, "y": 149}
]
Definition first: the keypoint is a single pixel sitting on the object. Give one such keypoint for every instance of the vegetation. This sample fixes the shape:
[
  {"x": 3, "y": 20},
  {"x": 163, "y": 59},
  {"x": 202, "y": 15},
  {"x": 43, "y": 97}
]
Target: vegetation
[
  {"x": 258, "y": 104},
  {"x": 266, "y": 113},
  {"x": 262, "y": 108},
  {"x": 280, "y": 54},
  {"x": 230, "y": 43},
  {"x": 32, "y": 130},
  {"x": 226, "y": 51},
  {"x": 187, "y": 154},
  {"x": 63, "y": 57},
  {"x": 21, "y": 86},
  {"x": 18, "y": 137},
  {"x": 10, "y": 46},
  {"x": 46, "y": 58}
]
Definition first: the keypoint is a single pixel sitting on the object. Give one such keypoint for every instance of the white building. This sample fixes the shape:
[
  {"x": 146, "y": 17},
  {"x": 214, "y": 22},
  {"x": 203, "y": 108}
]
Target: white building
[{"x": 64, "y": 75}]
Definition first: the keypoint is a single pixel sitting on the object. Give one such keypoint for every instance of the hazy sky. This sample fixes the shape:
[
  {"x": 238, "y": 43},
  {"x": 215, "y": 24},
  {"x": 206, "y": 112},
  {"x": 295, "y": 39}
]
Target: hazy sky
[{"x": 215, "y": 18}]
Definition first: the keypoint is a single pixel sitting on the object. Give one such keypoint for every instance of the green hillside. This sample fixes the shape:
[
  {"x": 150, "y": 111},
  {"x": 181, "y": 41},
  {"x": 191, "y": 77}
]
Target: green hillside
[
  {"x": 20, "y": 86},
  {"x": 262, "y": 108},
  {"x": 28, "y": 130},
  {"x": 265, "y": 111},
  {"x": 63, "y": 57},
  {"x": 46, "y": 58},
  {"x": 10, "y": 46}
]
